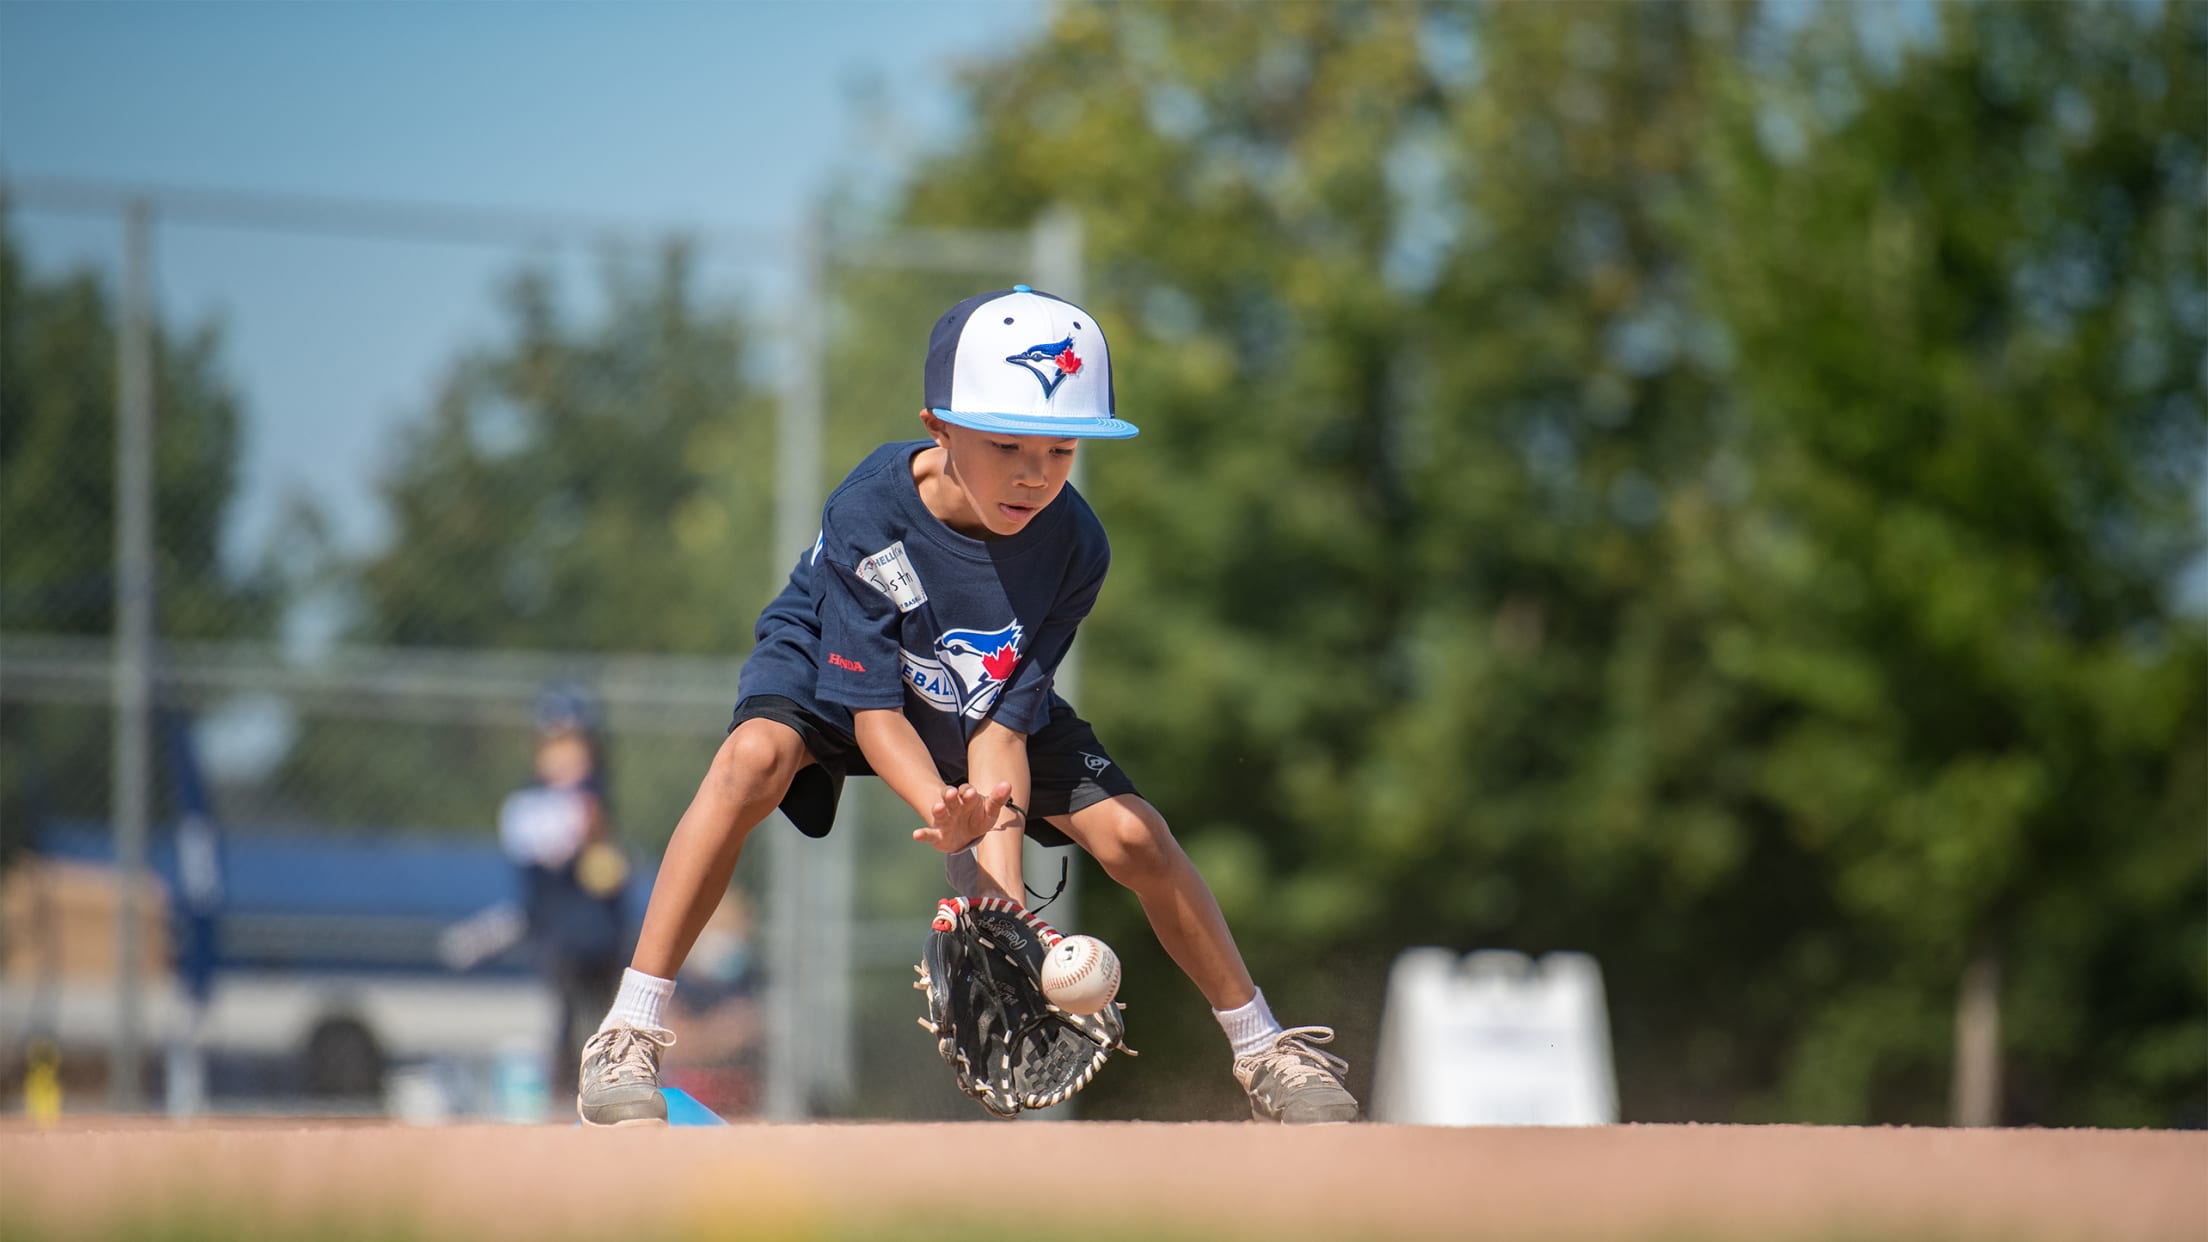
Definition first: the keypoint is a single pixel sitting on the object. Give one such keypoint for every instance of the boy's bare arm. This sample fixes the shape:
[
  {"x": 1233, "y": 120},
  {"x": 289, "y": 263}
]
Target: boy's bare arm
[
  {"x": 952, "y": 817},
  {"x": 998, "y": 756}
]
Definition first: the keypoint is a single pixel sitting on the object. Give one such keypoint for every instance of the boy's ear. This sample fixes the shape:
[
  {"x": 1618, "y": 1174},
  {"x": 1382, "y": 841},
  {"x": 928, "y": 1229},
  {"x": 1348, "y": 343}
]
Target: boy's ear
[{"x": 938, "y": 430}]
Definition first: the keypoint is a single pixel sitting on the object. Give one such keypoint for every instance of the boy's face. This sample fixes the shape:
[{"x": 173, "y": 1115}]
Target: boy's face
[{"x": 1005, "y": 480}]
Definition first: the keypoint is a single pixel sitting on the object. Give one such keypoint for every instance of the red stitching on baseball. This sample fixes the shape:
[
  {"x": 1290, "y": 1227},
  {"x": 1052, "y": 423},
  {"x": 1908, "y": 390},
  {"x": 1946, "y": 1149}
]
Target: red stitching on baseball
[{"x": 1095, "y": 960}]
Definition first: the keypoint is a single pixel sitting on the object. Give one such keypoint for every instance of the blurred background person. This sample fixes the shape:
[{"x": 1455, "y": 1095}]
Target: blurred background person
[{"x": 557, "y": 830}]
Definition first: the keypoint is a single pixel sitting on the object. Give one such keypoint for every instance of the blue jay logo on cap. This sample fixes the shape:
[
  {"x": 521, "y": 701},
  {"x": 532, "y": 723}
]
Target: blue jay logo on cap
[{"x": 1058, "y": 355}]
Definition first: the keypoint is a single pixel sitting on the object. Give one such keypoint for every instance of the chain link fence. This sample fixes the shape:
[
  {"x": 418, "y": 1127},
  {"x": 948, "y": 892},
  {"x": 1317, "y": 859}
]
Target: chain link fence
[{"x": 599, "y": 490}]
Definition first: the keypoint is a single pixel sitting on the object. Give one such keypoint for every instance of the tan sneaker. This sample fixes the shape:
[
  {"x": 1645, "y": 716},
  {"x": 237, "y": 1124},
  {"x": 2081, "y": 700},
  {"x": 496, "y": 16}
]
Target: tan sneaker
[
  {"x": 1295, "y": 1082},
  {"x": 620, "y": 1078}
]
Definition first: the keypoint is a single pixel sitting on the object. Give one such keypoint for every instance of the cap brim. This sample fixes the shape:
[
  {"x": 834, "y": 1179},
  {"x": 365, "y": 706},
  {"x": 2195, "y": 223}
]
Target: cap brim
[{"x": 1032, "y": 425}]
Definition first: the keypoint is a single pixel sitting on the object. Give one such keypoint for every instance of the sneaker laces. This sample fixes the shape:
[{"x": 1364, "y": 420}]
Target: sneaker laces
[
  {"x": 1296, "y": 1057},
  {"x": 627, "y": 1057}
]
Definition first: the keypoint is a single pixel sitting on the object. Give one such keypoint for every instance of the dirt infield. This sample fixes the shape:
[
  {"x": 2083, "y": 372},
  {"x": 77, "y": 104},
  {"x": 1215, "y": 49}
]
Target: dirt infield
[{"x": 1132, "y": 1180}]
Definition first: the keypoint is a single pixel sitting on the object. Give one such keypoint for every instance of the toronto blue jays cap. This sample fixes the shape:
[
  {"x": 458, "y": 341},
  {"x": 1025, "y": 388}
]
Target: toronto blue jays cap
[{"x": 1022, "y": 363}]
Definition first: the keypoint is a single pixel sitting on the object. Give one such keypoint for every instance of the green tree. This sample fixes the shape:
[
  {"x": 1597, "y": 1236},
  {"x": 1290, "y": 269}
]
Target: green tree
[
  {"x": 1231, "y": 167},
  {"x": 57, "y": 464},
  {"x": 1367, "y": 278},
  {"x": 57, "y": 504},
  {"x": 1966, "y": 293},
  {"x": 578, "y": 487},
  {"x": 1555, "y": 779},
  {"x": 576, "y": 470},
  {"x": 1533, "y": 539}
]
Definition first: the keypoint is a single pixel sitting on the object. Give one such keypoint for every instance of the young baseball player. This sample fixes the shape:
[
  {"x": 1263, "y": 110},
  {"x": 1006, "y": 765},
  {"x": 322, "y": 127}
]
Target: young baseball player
[{"x": 916, "y": 641}]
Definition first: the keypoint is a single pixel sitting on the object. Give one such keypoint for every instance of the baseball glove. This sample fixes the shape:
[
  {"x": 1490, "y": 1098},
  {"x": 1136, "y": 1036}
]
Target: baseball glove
[{"x": 1009, "y": 1046}]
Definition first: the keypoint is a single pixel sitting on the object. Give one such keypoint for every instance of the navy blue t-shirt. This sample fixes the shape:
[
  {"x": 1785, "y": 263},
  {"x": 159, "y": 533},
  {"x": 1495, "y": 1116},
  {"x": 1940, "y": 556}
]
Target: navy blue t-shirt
[{"x": 892, "y": 608}]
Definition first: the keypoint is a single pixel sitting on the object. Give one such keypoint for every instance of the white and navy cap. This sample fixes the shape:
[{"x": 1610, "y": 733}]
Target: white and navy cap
[{"x": 1022, "y": 363}]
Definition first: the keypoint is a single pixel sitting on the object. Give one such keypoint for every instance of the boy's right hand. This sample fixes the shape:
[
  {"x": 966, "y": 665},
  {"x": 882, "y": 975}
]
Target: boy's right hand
[{"x": 963, "y": 816}]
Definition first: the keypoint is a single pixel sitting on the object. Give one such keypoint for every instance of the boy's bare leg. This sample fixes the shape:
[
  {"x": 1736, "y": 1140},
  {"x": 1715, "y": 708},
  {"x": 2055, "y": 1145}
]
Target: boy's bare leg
[
  {"x": 619, "y": 1081},
  {"x": 1130, "y": 840},
  {"x": 749, "y": 775},
  {"x": 1287, "y": 1074}
]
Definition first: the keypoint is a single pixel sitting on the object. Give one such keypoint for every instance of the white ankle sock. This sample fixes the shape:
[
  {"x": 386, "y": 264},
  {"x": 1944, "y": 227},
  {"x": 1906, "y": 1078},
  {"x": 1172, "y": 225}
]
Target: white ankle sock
[
  {"x": 1252, "y": 1028},
  {"x": 642, "y": 1002}
]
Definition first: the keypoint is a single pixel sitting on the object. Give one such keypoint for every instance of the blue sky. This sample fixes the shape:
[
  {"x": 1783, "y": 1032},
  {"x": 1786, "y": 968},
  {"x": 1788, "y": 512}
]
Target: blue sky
[{"x": 719, "y": 117}]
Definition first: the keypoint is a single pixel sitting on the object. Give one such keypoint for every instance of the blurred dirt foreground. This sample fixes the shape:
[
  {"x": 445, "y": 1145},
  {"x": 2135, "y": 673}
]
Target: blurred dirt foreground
[{"x": 1206, "y": 1180}]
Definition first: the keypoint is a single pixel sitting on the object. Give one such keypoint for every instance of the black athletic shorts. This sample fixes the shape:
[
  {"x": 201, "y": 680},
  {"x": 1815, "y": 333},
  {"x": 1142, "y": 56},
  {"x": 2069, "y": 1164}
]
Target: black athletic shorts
[{"x": 1068, "y": 769}]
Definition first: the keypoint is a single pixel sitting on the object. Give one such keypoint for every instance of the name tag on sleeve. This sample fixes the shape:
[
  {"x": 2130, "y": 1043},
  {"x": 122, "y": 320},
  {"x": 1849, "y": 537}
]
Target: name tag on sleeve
[{"x": 890, "y": 572}]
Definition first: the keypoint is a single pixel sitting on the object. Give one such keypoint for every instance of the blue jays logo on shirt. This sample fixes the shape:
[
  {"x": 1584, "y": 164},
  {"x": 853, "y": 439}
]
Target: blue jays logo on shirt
[
  {"x": 1058, "y": 356},
  {"x": 967, "y": 670}
]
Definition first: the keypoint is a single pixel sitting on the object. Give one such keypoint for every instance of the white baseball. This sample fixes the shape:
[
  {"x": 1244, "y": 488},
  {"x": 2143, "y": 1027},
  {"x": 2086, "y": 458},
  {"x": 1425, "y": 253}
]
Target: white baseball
[{"x": 1081, "y": 975}]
